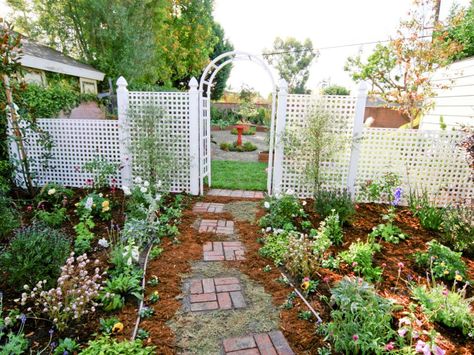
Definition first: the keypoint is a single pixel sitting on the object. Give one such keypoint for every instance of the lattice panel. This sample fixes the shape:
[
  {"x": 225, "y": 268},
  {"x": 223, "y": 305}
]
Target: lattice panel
[
  {"x": 175, "y": 106},
  {"x": 333, "y": 173},
  {"x": 425, "y": 160},
  {"x": 76, "y": 141}
]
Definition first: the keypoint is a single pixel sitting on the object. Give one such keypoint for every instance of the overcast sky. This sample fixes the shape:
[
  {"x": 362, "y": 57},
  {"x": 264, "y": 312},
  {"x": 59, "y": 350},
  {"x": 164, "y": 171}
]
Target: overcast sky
[{"x": 252, "y": 25}]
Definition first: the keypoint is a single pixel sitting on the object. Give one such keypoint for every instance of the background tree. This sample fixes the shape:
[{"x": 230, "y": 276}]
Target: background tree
[
  {"x": 336, "y": 90},
  {"x": 293, "y": 60},
  {"x": 463, "y": 30},
  {"x": 401, "y": 71},
  {"x": 155, "y": 41},
  {"x": 222, "y": 46}
]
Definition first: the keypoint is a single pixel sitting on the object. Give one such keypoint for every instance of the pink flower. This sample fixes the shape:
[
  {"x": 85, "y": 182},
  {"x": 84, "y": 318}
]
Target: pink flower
[
  {"x": 384, "y": 265},
  {"x": 355, "y": 337},
  {"x": 402, "y": 332},
  {"x": 422, "y": 347},
  {"x": 438, "y": 351},
  {"x": 445, "y": 292},
  {"x": 354, "y": 264},
  {"x": 29, "y": 208},
  {"x": 401, "y": 265},
  {"x": 89, "y": 182},
  {"x": 306, "y": 279},
  {"x": 390, "y": 346},
  {"x": 327, "y": 279}
]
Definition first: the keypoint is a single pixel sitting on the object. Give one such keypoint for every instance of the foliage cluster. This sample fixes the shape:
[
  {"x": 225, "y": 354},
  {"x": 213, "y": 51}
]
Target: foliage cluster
[
  {"x": 108, "y": 346},
  {"x": 360, "y": 257},
  {"x": 327, "y": 201},
  {"x": 458, "y": 228},
  {"x": 336, "y": 90},
  {"x": 233, "y": 147},
  {"x": 283, "y": 210}
]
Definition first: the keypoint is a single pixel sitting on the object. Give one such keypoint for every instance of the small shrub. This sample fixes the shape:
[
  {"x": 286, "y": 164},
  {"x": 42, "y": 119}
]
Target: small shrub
[
  {"x": 388, "y": 232},
  {"x": 107, "y": 346},
  {"x": 458, "y": 229},
  {"x": 73, "y": 297},
  {"x": 82, "y": 243},
  {"x": 66, "y": 346},
  {"x": 381, "y": 189},
  {"x": 430, "y": 216},
  {"x": 443, "y": 262},
  {"x": 8, "y": 215},
  {"x": 325, "y": 201},
  {"x": 94, "y": 205},
  {"x": 233, "y": 147},
  {"x": 107, "y": 325},
  {"x": 54, "y": 194},
  {"x": 275, "y": 247},
  {"x": 35, "y": 253},
  {"x": 448, "y": 307},
  {"x": 331, "y": 228},
  {"x": 360, "y": 257},
  {"x": 282, "y": 212},
  {"x": 55, "y": 218},
  {"x": 118, "y": 289},
  {"x": 361, "y": 321}
]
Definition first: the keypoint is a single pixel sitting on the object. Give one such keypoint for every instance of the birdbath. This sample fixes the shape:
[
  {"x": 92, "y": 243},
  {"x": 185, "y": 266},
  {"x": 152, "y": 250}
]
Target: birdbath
[{"x": 240, "y": 130}]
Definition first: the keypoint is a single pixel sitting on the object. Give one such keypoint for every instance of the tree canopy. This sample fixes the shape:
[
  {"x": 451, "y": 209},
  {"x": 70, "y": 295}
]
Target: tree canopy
[
  {"x": 293, "y": 60},
  {"x": 153, "y": 41},
  {"x": 222, "y": 46},
  {"x": 463, "y": 30}
]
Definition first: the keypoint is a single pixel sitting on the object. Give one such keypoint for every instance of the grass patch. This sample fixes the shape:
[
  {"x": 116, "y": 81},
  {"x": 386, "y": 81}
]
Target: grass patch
[
  {"x": 239, "y": 175},
  {"x": 242, "y": 211}
]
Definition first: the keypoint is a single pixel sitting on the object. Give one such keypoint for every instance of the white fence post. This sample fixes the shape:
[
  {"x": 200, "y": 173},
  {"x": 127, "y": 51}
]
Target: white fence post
[
  {"x": 279, "y": 132},
  {"x": 356, "y": 137},
  {"x": 194, "y": 136},
  {"x": 124, "y": 132}
]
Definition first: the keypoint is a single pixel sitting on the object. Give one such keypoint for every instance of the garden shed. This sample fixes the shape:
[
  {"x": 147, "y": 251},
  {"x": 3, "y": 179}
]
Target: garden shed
[{"x": 38, "y": 59}]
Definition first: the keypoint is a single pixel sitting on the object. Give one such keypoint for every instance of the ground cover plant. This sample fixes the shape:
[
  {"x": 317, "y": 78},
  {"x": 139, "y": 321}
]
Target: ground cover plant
[{"x": 233, "y": 147}]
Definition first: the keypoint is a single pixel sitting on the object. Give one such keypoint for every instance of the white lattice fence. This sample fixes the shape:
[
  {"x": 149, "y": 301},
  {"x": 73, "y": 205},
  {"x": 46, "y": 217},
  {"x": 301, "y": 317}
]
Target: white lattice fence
[
  {"x": 425, "y": 160},
  {"x": 333, "y": 173},
  {"x": 76, "y": 141},
  {"x": 174, "y": 128}
]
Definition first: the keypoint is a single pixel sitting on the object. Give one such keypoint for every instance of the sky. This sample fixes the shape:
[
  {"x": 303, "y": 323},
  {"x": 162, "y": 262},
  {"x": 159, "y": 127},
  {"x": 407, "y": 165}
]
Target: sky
[{"x": 252, "y": 25}]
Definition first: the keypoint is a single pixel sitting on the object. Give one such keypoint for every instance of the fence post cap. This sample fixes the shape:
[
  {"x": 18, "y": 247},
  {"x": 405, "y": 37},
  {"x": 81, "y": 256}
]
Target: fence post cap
[
  {"x": 121, "y": 82},
  {"x": 283, "y": 85},
  {"x": 193, "y": 83}
]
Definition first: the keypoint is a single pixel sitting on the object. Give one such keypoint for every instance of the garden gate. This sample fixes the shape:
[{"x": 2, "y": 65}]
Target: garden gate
[{"x": 205, "y": 87}]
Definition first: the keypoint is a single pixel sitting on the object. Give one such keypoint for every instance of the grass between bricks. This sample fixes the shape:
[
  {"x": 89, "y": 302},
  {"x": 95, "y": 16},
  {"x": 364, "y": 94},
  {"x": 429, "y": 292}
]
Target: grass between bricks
[
  {"x": 239, "y": 175},
  {"x": 203, "y": 332}
]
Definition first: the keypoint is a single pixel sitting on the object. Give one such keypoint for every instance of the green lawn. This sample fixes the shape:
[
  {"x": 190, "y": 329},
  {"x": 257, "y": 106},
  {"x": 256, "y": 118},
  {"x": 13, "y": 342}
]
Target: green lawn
[{"x": 239, "y": 175}]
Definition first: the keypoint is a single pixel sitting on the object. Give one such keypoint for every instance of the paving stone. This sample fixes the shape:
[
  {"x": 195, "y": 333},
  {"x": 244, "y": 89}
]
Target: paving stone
[
  {"x": 225, "y": 281},
  {"x": 208, "y": 285},
  {"x": 225, "y": 302},
  {"x": 237, "y": 299},
  {"x": 218, "y": 251},
  {"x": 236, "y": 193},
  {"x": 196, "y": 286},
  {"x": 228, "y": 288},
  {"x": 203, "y": 297},
  {"x": 204, "y": 306},
  {"x": 210, "y": 207},
  {"x": 272, "y": 343},
  {"x": 221, "y": 226}
]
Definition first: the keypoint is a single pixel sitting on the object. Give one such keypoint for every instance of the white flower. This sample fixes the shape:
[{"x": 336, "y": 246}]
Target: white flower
[
  {"x": 51, "y": 191},
  {"x": 158, "y": 197},
  {"x": 89, "y": 203},
  {"x": 138, "y": 180},
  {"x": 143, "y": 189},
  {"x": 126, "y": 190},
  {"x": 146, "y": 183},
  {"x": 103, "y": 243},
  {"x": 101, "y": 194},
  {"x": 303, "y": 203},
  {"x": 269, "y": 229},
  {"x": 158, "y": 184},
  {"x": 266, "y": 205},
  {"x": 290, "y": 192}
]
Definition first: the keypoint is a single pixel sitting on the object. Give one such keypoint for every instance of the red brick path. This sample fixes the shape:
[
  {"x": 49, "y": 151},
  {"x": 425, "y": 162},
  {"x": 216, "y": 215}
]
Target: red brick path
[
  {"x": 220, "y": 293},
  {"x": 220, "y": 251},
  {"x": 201, "y": 207},
  {"x": 220, "y": 226},
  {"x": 272, "y": 343}
]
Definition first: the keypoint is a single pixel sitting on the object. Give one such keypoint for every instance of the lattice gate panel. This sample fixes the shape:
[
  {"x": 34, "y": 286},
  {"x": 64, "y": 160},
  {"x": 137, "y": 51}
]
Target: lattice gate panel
[
  {"x": 333, "y": 173},
  {"x": 176, "y": 122},
  {"x": 76, "y": 141},
  {"x": 425, "y": 160}
]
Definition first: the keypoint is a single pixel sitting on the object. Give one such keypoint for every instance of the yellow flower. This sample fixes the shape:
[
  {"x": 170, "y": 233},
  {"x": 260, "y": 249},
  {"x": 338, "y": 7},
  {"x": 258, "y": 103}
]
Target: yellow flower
[
  {"x": 305, "y": 285},
  {"x": 51, "y": 191},
  {"x": 118, "y": 327},
  {"x": 155, "y": 293},
  {"x": 443, "y": 264},
  {"x": 105, "y": 209},
  {"x": 105, "y": 204},
  {"x": 458, "y": 277},
  {"x": 446, "y": 272}
]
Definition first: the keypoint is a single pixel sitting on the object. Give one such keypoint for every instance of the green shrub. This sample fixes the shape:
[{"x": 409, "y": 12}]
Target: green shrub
[
  {"x": 94, "y": 205},
  {"x": 282, "y": 212},
  {"x": 430, "y": 216},
  {"x": 388, "y": 232},
  {"x": 458, "y": 229},
  {"x": 275, "y": 247},
  {"x": 54, "y": 219},
  {"x": 336, "y": 90},
  {"x": 325, "y": 201},
  {"x": 360, "y": 257},
  {"x": 361, "y": 320},
  {"x": 447, "y": 307},
  {"x": 233, "y": 147},
  {"x": 107, "y": 346},
  {"x": 443, "y": 262},
  {"x": 381, "y": 189},
  {"x": 9, "y": 217},
  {"x": 82, "y": 243},
  {"x": 54, "y": 194},
  {"x": 35, "y": 253},
  {"x": 331, "y": 227}
]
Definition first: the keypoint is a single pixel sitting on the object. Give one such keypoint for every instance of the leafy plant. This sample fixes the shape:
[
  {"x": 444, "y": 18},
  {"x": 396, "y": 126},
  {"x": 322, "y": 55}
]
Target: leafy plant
[
  {"x": 118, "y": 289},
  {"x": 327, "y": 201},
  {"x": 146, "y": 312},
  {"x": 142, "y": 334},
  {"x": 458, "y": 228},
  {"x": 94, "y": 205},
  {"x": 388, "y": 232},
  {"x": 360, "y": 257},
  {"x": 154, "y": 297},
  {"x": 101, "y": 170},
  {"x": 35, "y": 253},
  {"x": 82, "y": 243},
  {"x": 233, "y": 147},
  {"x": 448, "y": 307},
  {"x": 282, "y": 211},
  {"x": 55, "y": 218},
  {"x": 275, "y": 247},
  {"x": 305, "y": 315},
  {"x": 361, "y": 320},
  {"x": 331, "y": 228},
  {"x": 107, "y": 346},
  {"x": 54, "y": 194},
  {"x": 442, "y": 261},
  {"x": 430, "y": 216},
  {"x": 107, "y": 325},
  {"x": 66, "y": 346},
  {"x": 8, "y": 215},
  {"x": 381, "y": 189}
]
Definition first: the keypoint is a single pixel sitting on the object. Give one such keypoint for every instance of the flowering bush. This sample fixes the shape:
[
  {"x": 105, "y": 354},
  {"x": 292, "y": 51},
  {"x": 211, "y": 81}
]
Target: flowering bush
[
  {"x": 73, "y": 297},
  {"x": 442, "y": 262},
  {"x": 54, "y": 195},
  {"x": 94, "y": 205},
  {"x": 282, "y": 211},
  {"x": 458, "y": 228},
  {"x": 361, "y": 320},
  {"x": 449, "y": 307}
]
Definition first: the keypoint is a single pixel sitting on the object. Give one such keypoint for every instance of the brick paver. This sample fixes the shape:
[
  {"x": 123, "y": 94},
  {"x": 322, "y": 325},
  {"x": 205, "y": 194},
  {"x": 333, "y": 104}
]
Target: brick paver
[
  {"x": 220, "y": 293},
  {"x": 236, "y": 193},
  {"x": 201, "y": 207},
  {"x": 220, "y": 226},
  {"x": 272, "y": 343},
  {"x": 220, "y": 251}
]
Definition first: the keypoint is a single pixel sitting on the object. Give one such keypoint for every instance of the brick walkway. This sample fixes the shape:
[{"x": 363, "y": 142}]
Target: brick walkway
[
  {"x": 220, "y": 293},
  {"x": 201, "y": 207},
  {"x": 236, "y": 193},
  {"x": 220, "y": 226},
  {"x": 272, "y": 343},
  {"x": 220, "y": 251}
]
